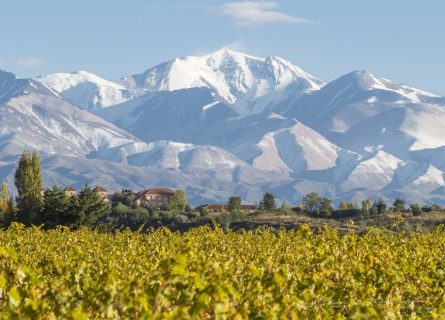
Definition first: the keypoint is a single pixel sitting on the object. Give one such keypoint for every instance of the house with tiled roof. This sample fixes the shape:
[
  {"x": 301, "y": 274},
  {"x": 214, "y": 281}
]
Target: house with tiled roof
[{"x": 157, "y": 197}]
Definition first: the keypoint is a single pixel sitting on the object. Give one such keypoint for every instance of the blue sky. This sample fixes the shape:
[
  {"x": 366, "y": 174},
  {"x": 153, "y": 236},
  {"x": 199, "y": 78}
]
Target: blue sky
[{"x": 401, "y": 40}]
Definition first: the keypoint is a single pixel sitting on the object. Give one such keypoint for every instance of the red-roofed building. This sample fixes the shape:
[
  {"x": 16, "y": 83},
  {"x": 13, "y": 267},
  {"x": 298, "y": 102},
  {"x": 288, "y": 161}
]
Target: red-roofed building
[{"x": 157, "y": 197}]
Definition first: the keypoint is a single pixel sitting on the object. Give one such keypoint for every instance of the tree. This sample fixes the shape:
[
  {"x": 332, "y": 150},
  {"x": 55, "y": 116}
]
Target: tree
[
  {"x": 57, "y": 208},
  {"x": 178, "y": 201},
  {"x": 269, "y": 201},
  {"x": 380, "y": 205},
  {"x": 28, "y": 181},
  {"x": 6, "y": 206},
  {"x": 416, "y": 209},
  {"x": 325, "y": 207},
  {"x": 203, "y": 211},
  {"x": 234, "y": 203},
  {"x": 366, "y": 206},
  {"x": 399, "y": 205},
  {"x": 312, "y": 202},
  {"x": 343, "y": 205},
  {"x": 286, "y": 208},
  {"x": 89, "y": 207},
  {"x": 436, "y": 208}
]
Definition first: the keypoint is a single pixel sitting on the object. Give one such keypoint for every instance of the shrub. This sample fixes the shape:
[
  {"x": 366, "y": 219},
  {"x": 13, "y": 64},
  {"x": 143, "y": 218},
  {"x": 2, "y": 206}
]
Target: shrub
[{"x": 416, "y": 209}]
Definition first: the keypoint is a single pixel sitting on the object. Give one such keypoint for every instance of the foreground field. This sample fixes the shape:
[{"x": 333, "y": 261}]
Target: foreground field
[{"x": 219, "y": 274}]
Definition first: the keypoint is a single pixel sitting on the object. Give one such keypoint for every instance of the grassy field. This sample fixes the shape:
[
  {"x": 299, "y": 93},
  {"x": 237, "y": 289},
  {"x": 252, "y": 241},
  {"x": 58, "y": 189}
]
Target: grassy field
[{"x": 222, "y": 274}]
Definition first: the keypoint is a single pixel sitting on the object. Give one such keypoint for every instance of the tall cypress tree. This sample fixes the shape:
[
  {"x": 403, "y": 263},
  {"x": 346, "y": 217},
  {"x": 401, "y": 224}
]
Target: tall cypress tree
[{"x": 28, "y": 181}]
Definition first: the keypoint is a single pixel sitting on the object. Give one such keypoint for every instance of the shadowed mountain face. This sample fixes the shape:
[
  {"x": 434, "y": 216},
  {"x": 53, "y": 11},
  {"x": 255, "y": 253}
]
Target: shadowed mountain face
[{"x": 229, "y": 123}]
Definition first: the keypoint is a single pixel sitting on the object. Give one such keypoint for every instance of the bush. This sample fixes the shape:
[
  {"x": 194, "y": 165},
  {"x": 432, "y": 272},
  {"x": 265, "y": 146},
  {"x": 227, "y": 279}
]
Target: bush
[
  {"x": 224, "y": 220},
  {"x": 180, "y": 218},
  {"x": 203, "y": 212},
  {"x": 416, "y": 209},
  {"x": 167, "y": 215},
  {"x": 346, "y": 213},
  {"x": 120, "y": 209}
]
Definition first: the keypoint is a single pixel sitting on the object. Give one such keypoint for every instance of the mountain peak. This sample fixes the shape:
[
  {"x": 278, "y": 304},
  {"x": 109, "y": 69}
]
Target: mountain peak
[
  {"x": 227, "y": 52},
  {"x": 7, "y": 76},
  {"x": 236, "y": 78}
]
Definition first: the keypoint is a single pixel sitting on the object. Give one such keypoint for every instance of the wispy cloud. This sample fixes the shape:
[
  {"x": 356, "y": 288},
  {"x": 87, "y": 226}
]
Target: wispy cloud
[
  {"x": 24, "y": 62},
  {"x": 29, "y": 62},
  {"x": 249, "y": 13}
]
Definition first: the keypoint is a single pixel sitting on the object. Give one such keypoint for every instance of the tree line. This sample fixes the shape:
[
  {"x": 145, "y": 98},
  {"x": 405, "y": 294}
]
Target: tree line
[{"x": 52, "y": 206}]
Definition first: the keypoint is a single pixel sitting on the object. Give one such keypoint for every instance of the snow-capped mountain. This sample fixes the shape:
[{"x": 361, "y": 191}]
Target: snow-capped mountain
[
  {"x": 11, "y": 86},
  {"x": 229, "y": 123},
  {"x": 353, "y": 98},
  {"x": 78, "y": 147},
  {"x": 87, "y": 90},
  {"x": 247, "y": 82},
  {"x": 180, "y": 115}
]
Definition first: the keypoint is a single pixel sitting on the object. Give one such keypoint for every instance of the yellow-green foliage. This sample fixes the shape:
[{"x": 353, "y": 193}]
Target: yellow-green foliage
[{"x": 217, "y": 274}]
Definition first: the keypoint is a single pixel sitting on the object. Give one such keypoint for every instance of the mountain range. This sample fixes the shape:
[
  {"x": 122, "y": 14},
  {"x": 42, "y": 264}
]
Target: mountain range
[{"x": 229, "y": 123}]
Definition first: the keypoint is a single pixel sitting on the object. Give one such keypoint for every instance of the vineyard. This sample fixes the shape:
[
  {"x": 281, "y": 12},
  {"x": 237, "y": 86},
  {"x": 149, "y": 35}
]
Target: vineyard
[{"x": 218, "y": 274}]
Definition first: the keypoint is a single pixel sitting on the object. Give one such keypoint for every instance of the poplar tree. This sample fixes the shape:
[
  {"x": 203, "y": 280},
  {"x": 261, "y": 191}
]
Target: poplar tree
[
  {"x": 6, "y": 207},
  {"x": 28, "y": 181}
]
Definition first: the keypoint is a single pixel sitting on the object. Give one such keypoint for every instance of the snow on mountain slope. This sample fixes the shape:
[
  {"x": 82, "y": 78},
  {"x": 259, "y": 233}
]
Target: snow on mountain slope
[
  {"x": 295, "y": 149},
  {"x": 86, "y": 90},
  {"x": 351, "y": 99},
  {"x": 374, "y": 173},
  {"x": 179, "y": 115},
  {"x": 46, "y": 123},
  {"x": 400, "y": 130},
  {"x": 11, "y": 86},
  {"x": 247, "y": 82}
]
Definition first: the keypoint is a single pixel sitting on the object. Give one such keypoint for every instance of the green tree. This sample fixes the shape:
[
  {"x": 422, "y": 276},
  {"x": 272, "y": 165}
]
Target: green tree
[
  {"x": 436, "y": 208},
  {"x": 178, "y": 201},
  {"x": 343, "y": 205},
  {"x": 234, "y": 203},
  {"x": 312, "y": 202},
  {"x": 416, "y": 209},
  {"x": 366, "y": 206},
  {"x": 5, "y": 200},
  {"x": 90, "y": 206},
  {"x": 6, "y": 205},
  {"x": 286, "y": 208},
  {"x": 269, "y": 201},
  {"x": 28, "y": 181},
  {"x": 325, "y": 207},
  {"x": 57, "y": 208},
  {"x": 380, "y": 206},
  {"x": 399, "y": 205},
  {"x": 203, "y": 212}
]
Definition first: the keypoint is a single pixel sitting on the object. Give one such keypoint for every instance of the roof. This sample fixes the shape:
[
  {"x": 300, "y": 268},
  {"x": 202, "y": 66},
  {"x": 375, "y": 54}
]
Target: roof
[
  {"x": 69, "y": 189},
  {"x": 100, "y": 189},
  {"x": 163, "y": 191}
]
